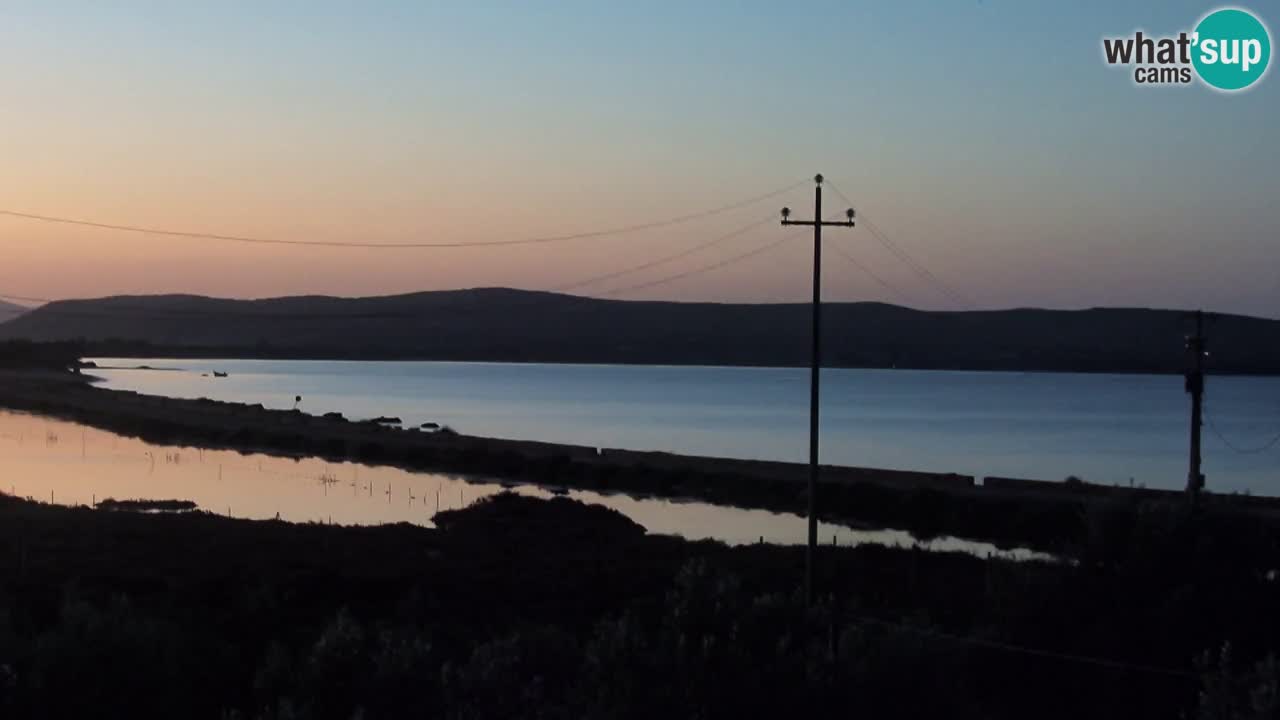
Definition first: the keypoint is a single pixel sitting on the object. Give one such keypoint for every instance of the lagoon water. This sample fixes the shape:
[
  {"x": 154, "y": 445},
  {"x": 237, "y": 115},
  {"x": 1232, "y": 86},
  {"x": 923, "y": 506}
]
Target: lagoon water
[
  {"x": 66, "y": 463},
  {"x": 1103, "y": 428}
]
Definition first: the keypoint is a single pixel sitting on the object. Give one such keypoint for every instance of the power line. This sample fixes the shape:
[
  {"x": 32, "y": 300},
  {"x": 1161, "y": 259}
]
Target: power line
[
  {"x": 622, "y": 230},
  {"x": 916, "y": 265},
  {"x": 906, "y": 258},
  {"x": 869, "y": 272},
  {"x": 21, "y": 298},
  {"x": 663, "y": 260},
  {"x": 701, "y": 270},
  {"x": 1255, "y": 450},
  {"x": 707, "y": 268}
]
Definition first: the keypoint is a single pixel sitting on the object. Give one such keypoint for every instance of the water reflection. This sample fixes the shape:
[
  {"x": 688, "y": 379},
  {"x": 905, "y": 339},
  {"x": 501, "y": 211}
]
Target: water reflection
[
  {"x": 1106, "y": 429},
  {"x": 56, "y": 461}
]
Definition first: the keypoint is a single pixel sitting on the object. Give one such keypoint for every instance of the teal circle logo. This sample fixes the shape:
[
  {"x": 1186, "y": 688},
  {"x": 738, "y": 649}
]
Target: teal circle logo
[{"x": 1232, "y": 49}]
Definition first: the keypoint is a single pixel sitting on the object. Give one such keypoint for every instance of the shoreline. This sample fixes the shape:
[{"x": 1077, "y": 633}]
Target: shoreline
[
  {"x": 198, "y": 353},
  {"x": 668, "y": 365},
  {"x": 1008, "y": 512}
]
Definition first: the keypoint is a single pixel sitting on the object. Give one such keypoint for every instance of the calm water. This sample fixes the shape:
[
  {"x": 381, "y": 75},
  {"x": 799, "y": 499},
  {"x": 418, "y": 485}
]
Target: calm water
[
  {"x": 1103, "y": 428},
  {"x": 69, "y": 464}
]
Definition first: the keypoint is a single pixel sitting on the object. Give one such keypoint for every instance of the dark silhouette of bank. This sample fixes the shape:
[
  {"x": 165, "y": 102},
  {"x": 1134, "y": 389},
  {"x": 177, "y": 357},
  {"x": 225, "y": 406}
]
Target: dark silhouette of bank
[
  {"x": 9, "y": 311},
  {"x": 522, "y": 608}
]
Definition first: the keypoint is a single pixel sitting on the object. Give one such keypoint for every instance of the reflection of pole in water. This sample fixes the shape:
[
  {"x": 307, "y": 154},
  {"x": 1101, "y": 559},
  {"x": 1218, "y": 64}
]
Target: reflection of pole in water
[{"x": 437, "y": 498}]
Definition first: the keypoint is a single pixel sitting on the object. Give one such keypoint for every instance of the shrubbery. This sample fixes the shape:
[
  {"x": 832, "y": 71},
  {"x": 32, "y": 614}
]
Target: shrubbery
[{"x": 535, "y": 609}]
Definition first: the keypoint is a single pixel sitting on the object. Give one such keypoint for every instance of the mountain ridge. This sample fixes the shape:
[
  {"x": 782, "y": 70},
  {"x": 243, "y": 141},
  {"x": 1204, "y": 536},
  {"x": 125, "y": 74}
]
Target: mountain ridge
[
  {"x": 504, "y": 324},
  {"x": 9, "y": 310}
]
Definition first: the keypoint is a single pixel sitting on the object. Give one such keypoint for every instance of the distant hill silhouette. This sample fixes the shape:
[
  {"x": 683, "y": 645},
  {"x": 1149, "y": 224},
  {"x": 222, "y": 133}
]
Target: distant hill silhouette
[
  {"x": 9, "y": 311},
  {"x": 514, "y": 325}
]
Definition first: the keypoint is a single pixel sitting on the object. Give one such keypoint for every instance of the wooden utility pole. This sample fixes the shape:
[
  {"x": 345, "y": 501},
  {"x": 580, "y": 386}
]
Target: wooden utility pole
[
  {"x": 1196, "y": 349},
  {"x": 815, "y": 361}
]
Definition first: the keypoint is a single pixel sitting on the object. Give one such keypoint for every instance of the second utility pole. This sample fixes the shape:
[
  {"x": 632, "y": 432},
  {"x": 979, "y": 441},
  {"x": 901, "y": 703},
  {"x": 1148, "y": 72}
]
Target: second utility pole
[
  {"x": 815, "y": 362},
  {"x": 1196, "y": 349}
]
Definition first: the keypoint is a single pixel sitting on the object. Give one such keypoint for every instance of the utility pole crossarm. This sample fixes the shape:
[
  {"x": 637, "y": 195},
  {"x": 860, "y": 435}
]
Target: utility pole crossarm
[
  {"x": 826, "y": 223},
  {"x": 817, "y": 223}
]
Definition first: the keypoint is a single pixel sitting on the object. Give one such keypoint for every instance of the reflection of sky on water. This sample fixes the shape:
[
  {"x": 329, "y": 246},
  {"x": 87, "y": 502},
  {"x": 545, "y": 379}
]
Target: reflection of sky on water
[
  {"x": 1103, "y": 428},
  {"x": 47, "y": 459}
]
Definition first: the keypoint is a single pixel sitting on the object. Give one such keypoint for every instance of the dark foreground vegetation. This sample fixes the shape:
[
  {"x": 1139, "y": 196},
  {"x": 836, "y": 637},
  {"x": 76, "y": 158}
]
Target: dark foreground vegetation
[
  {"x": 51, "y": 356},
  {"x": 146, "y": 505},
  {"x": 521, "y": 608},
  {"x": 505, "y": 325}
]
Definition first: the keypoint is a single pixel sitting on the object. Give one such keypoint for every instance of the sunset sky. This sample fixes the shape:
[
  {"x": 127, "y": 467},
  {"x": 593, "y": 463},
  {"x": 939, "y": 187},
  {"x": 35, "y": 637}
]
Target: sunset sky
[{"x": 987, "y": 139}]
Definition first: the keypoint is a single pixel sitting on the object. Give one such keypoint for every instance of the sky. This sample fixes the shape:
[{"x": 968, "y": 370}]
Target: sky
[{"x": 988, "y": 140}]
